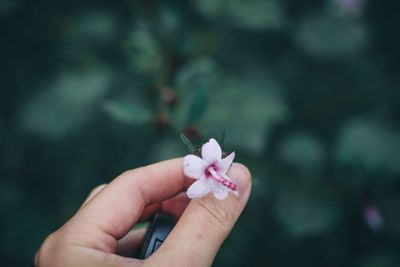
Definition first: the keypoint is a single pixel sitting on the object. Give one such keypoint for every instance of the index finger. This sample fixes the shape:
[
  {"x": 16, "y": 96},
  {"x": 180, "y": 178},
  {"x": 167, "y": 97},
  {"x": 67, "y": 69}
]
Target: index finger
[{"x": 114, "y": 210}]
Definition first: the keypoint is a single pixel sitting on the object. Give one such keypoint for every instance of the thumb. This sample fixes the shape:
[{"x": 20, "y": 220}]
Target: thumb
[{"x": 204, "y": 225}]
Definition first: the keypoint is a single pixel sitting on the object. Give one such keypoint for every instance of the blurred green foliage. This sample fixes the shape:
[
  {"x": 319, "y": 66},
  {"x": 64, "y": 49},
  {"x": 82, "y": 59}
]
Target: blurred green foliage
[{"x": 305, "y": 92}]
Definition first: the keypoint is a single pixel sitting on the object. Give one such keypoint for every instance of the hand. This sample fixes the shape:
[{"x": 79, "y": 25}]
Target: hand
[{"x": 99, "y": 233}]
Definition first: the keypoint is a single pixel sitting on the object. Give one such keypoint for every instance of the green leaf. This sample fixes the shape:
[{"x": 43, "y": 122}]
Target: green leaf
[
  {"x": 127, "y": 112},
  {"x": 198, "y": 106},
  {"x": 371, "y": 144},
  {"x": 303, "y": 153},
  {"x": 251, "y": 105},
  {"x": 66, "y": 104},
  {"x": 187, "y": 143},
  {"x": 193, "y": 83},
  {"x": 305, "y": 214},
  {"x": 331, "y": 35},
  {"x": 167, "y": 148},
  {"x": 223, "y": 137},
  {"x": 250, "y": 15},
  {"x": 144, "y": 51}
]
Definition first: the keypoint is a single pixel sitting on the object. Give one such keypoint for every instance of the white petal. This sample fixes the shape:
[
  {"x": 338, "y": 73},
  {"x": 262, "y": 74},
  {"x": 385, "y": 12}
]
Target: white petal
[
  {"x": 225, "y": 163},
  {"x": 198, "y": 189},
  {"x": 211, "y": 151},
  {"x": 194, "y": 167},
  {"x": 220, "y": 191}
]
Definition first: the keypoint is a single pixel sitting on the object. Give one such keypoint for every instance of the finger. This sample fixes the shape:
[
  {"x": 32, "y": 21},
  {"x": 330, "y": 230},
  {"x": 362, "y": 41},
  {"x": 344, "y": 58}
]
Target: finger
[
  {"x": 204, "y": 225},
  {"x": 58, "y": 250},
  {"x": 129, "y": 244},
  {"x": 110, "y": 214},
  {"x": 94, "y": 192},
  {"x": 174, "y": 206}
]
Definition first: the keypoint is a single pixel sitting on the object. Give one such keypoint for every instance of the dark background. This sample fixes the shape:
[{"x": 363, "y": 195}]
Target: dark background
[{"x": 306, "y": 93}]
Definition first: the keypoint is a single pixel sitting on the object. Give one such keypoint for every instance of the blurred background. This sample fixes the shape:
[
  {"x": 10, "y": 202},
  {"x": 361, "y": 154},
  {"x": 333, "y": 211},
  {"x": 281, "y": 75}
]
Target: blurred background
[{"x": 306, "y": 93}]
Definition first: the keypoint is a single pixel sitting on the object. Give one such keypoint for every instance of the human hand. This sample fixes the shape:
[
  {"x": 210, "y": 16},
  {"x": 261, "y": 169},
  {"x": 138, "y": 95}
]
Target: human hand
[{"x": 99, "y": 233}]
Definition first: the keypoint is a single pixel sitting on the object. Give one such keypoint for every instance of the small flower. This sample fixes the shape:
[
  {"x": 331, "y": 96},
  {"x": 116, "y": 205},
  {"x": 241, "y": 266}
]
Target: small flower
[
  {"x": 373, "y": 218},
  {"x": 210, "y": 172}
]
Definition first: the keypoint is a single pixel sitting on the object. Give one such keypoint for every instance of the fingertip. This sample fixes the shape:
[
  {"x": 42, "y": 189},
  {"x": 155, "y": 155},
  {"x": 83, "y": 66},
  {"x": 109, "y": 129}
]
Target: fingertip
[
  {"x": 206, "y": 222},
  {"x": 241, "y": 175}
]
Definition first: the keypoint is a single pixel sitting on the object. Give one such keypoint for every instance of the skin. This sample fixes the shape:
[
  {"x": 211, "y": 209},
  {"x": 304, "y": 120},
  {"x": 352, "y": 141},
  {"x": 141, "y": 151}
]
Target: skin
[{"x": 99, "y": 234}]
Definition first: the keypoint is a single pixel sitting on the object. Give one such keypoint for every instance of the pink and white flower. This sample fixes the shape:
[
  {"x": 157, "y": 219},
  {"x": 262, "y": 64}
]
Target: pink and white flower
[{"x": 210, "y": 172}]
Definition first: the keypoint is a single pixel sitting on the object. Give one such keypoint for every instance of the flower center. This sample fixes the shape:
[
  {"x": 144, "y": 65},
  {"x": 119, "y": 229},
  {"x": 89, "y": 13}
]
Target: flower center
[{"x": 210, "y": 172}]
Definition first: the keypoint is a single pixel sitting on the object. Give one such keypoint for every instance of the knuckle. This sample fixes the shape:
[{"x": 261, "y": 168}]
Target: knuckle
[{"x": 214, "y": 214}]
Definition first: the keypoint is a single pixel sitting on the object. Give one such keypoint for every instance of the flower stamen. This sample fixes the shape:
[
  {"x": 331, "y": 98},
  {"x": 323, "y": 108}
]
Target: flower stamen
[{"x": 222, "y": 180}]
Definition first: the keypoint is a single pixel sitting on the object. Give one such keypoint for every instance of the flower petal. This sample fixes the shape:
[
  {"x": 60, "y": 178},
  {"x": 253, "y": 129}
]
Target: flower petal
[
  {"x": 194, "y": 167},
  {"x": 198, "y": 189},
  {"x": 220, "y": 192},
  {"x": 211, "y": 151},
  {"x": 225, "y": 163}
]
